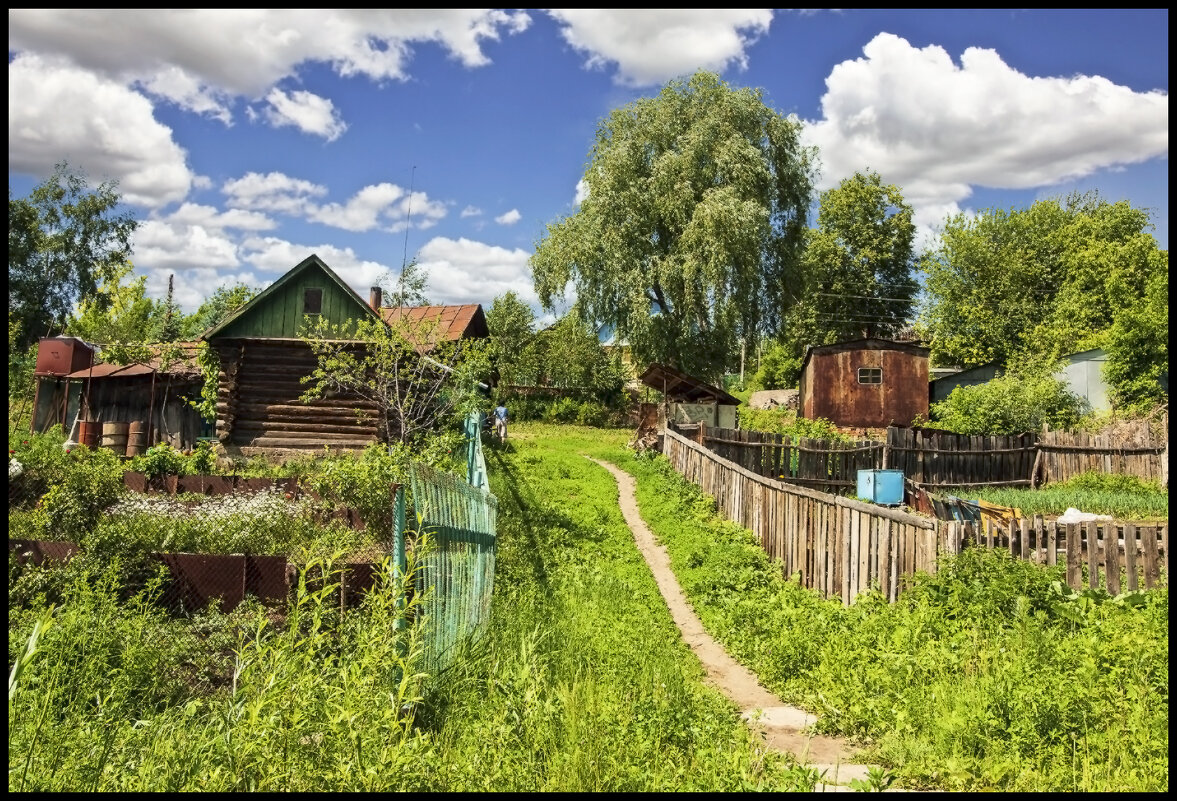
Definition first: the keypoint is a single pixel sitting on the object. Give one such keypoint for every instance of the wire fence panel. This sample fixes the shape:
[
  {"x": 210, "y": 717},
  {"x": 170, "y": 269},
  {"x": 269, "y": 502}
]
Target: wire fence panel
[{"x": 455, "y": 576}]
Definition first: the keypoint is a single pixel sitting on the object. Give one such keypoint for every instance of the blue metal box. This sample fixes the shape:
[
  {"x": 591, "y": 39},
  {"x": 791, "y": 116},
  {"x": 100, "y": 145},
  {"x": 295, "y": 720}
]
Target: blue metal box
[{"x": 884, "y": 487}]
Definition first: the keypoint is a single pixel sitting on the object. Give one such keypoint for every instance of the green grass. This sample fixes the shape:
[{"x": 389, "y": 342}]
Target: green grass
[
  {"x": 988, "y": 676},
  {"x": 1123, "y": 497}
]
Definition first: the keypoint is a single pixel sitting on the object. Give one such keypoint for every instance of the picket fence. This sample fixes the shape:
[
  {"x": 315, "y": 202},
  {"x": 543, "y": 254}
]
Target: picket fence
[{"x": 842, "y": 547}]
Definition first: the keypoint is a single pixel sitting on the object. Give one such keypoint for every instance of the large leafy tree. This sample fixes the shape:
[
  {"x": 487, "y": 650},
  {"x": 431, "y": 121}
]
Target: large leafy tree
[
  {"x": 693, "y": 223},
  {"x": 1028, "y": 286},
  {"x": 513, "y": 352},
  {"x": 118, "y": 312},
  {"x": 216, "y": 307},
  {"x": 1036, "y": 283},
  {"x": 857, "y": 270},
  {"x": 63, "y": 240}
]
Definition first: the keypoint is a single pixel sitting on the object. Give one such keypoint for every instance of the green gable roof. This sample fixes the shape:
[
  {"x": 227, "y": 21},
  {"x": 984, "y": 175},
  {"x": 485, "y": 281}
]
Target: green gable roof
[{"x": 278, "y": 311}]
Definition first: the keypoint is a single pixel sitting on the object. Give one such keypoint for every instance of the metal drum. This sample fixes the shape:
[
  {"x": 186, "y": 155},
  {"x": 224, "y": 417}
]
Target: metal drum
[
  {"x": 137, "y": 438},
  {"x": 114, "y": 436}
]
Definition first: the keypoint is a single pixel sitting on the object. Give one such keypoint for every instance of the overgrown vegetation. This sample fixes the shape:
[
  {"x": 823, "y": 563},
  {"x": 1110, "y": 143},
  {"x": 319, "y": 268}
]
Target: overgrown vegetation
[
  {"x": 1013, "y": 403},
  {"x": 946, "y": 686},
  {"x": 1123, "y": 497},
  {"x": 786, "y": 422}
]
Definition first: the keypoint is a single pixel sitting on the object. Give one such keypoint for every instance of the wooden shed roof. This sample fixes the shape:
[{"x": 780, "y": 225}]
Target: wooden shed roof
[{"x": 679, "y": 387}]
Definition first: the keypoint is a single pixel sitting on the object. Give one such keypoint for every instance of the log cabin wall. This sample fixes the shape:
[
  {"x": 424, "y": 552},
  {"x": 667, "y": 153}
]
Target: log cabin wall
[{"x": 258, "y": 401}]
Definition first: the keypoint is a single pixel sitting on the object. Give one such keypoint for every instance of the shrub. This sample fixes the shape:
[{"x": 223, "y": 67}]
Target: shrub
[
  {"x": 778, "y": 369},
  {"x": 93, "y": 481},
  {"x": 1009, "y": 404}
]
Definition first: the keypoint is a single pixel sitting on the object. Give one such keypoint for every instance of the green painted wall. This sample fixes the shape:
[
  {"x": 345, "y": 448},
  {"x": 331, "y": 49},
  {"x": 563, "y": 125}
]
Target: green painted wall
[{"x": 281, "y": 314}]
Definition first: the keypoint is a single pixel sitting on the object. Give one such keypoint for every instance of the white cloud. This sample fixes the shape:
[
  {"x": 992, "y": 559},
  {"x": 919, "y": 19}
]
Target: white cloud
[
  {"x": 246, "y": 51},
  {"x": 937, "y": 129},
  {"x": 193, "y": 286},
  {"x": 275, "y": 257},
  {"x": 582, "y": 192},
  {"x": 651, "y": 46},
  {"x": 183, "y": 89},
  {"x": 209, "y": 217},
  {"x": 470, "y": 211},
  {"x": 163, "y": 245},
  {"x": 57, "y": 111},
  {"x": 274, "y": 192},
  {"x": 509, "y": 218},
  {"x": 380, "y": 203},
  {"x": 306, "y": 111},
  {"x": 465, "y": 271}
]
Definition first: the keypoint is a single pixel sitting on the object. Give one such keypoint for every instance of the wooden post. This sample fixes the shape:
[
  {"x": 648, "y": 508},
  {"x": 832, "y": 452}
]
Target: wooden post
[{"x": 1111, "y": 550}]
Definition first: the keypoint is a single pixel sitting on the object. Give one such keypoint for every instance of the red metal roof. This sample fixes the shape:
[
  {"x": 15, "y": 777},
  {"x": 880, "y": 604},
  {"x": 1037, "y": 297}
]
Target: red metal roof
[
  {"x": 184, "y": 364},
  {"x": 454, "y": 322}
]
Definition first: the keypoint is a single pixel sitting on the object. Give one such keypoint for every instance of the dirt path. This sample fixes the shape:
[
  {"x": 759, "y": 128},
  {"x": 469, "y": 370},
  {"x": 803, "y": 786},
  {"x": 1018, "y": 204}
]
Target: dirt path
[{"x": 784, "y": 727}]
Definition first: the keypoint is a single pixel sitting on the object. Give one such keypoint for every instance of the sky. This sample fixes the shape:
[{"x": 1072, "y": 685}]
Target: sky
[{"x": 244, "y": 141}]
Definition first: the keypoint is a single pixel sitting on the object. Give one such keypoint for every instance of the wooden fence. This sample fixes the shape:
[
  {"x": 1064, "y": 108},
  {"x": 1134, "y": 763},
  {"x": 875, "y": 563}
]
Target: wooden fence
[
  {"x": 815, "y": 463},
  {"x": 1066, "y": 455},
  {"x": 936, "y": 459},
  {"x": 842, "y": 547},
  {"x": 837, "y": 546},
  {"x": 1113, "y": 555}
]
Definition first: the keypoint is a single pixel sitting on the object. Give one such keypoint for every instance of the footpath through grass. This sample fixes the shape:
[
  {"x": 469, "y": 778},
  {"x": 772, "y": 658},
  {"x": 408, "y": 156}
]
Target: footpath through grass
[
  {"x": 583, "y": 682},
  {"x": 991, "y": 675}
]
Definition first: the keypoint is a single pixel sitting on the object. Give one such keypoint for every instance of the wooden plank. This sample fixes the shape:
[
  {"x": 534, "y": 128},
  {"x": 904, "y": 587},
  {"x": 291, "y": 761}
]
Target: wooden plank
[
  {"x": 1024, "y": 539},
  {"x": 1111, "y": 543},
  {"x": 1151, "y": 566},
  {"x": 1130, "y": 547},
  {"x": 1052, "y": 543},
  {"x": 846, "y": 559},
  {"x": 1074, "y": 557},
  {"x": 1092, "y": 537},
  {"x": 885, "y": 557},
  {"x": 863, "y": 580}
]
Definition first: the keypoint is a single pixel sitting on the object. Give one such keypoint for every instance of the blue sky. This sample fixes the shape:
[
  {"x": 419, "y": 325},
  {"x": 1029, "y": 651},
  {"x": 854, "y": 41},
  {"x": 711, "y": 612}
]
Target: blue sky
[{"x": 244, "y": 141}]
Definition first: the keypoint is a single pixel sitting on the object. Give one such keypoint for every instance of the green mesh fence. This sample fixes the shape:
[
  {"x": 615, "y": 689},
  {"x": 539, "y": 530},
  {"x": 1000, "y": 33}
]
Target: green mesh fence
[{"x": 457, "y": 563}]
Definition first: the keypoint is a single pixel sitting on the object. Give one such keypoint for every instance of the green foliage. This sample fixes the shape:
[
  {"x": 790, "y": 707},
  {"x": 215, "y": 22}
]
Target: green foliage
[
  {"x": 420, "y": 381},
  {"x": 92, "y": 481},
  {"x": 856, "y": 273},
  {"x": 1137, "y": 367},
  {"x": 779, "y": 369},
  {"x": 216, "y": 307},
  {"x": 513, "y": 351},
  {"x": 1121, "y": 496},
  {"x": 1059, "y": 277},
  {"x": 119, "y": 697},
  {"x": 43, "y": 459},
  {"x": 410, "y": 288},
  {"x": 692, "y": 227},
  {"x": 786, "y": 421},
  {"x": 117, "y": 313},
  {"x": 1009, "y": 404},
  {"x": 944, "y": 685},
  {"x": 62, "y": 240},
  {"x": 21, "y": 363}
]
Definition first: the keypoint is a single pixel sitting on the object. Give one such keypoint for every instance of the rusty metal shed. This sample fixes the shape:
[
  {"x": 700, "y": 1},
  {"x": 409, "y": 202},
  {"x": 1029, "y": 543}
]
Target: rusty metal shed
[
  {"x": 687, "y": 399},
  {"x": 870, "y": 382}
]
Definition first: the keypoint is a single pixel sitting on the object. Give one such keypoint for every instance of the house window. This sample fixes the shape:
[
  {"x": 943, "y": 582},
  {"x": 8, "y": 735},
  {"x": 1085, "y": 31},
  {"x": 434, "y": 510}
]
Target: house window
[
  {"x": 870, "y": 375},
  {"x": 312, "y": 301}
]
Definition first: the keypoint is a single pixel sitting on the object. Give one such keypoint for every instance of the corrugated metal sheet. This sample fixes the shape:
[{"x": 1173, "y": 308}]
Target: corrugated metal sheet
[
  {"x": 455, "y": 322},
  {"x": 830, "y": 388},
  {"x": 680, "y": 387}
]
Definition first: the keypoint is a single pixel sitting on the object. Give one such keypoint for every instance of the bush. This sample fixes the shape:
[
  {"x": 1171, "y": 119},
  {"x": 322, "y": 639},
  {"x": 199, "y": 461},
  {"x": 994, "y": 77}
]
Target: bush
[
  {"x": 1009, "y": 404},
  {"x": 92, "y": 482},
  {"x": 778, "y": 369}
]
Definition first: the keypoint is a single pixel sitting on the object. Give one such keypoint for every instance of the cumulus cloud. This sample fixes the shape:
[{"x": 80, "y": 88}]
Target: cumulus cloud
[
  {"x": 937, "y": 129},
  {"x": 57, "y": 111},
  {"x": 582, "y": 192},
  {"x": 509, "y": 218},
  {"x": 306, "y": 111},
  {"x": 385, "y": 206},
  {"x": 246, "y": 51},
  {"x": 275, "y": 191},
  {"x": 651, "y": 46},
  {"x": 464, "y": 271},
  {"x": 470, "y": 211}
]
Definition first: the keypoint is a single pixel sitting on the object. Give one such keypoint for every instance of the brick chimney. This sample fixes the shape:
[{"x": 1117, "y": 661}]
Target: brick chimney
[{"x": 374, "y": 298}]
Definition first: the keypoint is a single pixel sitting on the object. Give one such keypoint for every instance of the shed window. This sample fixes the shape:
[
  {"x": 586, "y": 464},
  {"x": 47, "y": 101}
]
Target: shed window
[
  {"x": 312, "y": 301},
  {"x": 870, "y": 375}
]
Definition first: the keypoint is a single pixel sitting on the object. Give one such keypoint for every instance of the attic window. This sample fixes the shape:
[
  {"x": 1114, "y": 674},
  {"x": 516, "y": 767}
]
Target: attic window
[
  {"x": 870, "y": 375},
  {"x": 312, "y": 301}
]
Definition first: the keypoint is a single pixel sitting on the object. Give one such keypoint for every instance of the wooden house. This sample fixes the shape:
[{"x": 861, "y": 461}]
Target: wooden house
[
  {"x": 263, "y": 361},
  {"x": 872, "y": 383}
]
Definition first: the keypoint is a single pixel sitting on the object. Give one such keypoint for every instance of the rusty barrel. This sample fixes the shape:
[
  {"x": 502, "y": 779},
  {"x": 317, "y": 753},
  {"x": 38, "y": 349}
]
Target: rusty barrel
[
  {"x": 88, "y": 433},
  {"x": 137, "y": 438},
  {"x": 114, "y": 436}
]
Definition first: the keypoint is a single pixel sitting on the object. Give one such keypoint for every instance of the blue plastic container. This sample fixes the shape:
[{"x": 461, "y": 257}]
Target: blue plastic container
[{"x": 884, "y": 487}]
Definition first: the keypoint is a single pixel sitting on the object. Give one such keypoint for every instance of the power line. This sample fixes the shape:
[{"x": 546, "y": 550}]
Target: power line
[{"x": 865, "y": 297}]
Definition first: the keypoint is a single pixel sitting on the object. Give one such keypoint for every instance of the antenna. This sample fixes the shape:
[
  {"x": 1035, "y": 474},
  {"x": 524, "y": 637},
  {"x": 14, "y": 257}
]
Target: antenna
[{"x": 408, "y": 219}]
